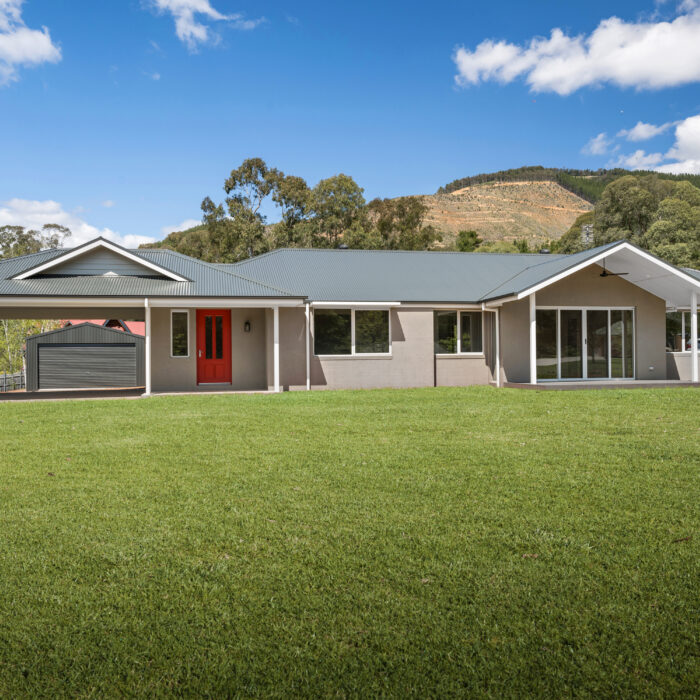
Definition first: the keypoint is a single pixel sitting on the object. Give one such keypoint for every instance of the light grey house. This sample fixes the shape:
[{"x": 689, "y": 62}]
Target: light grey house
[{"x": 313, "y": 319}]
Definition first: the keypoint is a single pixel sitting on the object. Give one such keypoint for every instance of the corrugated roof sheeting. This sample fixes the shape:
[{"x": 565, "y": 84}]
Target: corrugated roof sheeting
[
  {"x": 317, "y": 274},
  {"x": 207, "y": 280},
  {"x": 408, "y": 276}
]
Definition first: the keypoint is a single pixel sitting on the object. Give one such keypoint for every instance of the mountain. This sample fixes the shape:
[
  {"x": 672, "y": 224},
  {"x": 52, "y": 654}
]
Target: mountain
[
  {"x": 534, "y": 210},
  {"x": 534, "y": 203},
  {"x": 587, "y": 184}
]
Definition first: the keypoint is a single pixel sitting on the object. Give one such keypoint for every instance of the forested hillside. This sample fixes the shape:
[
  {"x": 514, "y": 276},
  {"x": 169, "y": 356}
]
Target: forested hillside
[
  {"x": 587, "y": 184},
  {"x": 659, "y": 215},
  {"x": 522, "y": 210}
]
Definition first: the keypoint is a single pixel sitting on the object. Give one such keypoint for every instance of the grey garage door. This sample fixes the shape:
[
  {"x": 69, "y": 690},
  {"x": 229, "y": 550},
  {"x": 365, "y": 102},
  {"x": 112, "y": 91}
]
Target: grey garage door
[{"x": 87, "y": 366}]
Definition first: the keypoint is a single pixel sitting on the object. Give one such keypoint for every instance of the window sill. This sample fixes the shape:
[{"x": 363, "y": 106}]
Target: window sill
[
  {"x": 359, "y": 356},
  {"x": 460, "y": 356}
]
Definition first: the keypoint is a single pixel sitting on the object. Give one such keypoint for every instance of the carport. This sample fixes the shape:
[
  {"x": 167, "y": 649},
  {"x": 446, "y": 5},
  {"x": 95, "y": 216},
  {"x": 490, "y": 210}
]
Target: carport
[{"x": 84, "y": 356}]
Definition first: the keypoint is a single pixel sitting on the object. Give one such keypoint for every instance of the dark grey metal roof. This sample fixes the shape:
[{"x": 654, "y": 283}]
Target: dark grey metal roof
[
  {"x": 314, "y": 274},
  {"x": 405, "y": 276},
  {"x": 206, "y": 280},
  {"x": 691, "y": 272}
]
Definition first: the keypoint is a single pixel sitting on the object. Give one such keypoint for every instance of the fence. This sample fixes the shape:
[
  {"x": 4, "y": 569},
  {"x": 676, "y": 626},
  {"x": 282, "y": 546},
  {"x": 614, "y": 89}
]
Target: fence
[{"x": 12, "y": 382}]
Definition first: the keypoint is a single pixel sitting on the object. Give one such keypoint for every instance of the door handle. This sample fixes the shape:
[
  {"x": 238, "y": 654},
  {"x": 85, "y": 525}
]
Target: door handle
[{"x": 199, "y": 353}]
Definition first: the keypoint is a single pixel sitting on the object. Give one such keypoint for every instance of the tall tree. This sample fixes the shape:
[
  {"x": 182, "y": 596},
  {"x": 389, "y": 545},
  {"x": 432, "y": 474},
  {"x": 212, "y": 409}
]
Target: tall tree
[
  {"x": 399, "y": 224},
  {"x": 338, "y": 207},
  {"x": 236, "y": 228},
  {"x": 15, "y": 241}
]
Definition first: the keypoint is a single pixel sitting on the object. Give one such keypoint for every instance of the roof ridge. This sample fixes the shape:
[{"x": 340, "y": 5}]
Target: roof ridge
[{"x": 549, "y": 256}]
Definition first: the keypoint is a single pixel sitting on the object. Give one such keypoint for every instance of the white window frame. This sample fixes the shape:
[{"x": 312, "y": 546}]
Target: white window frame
[
  {"x": 682, "y": 312},
  {"x": 187, "y": 313},
  {"x": 353, "y": 353},
  {"x": 459, "y": 352},
  {"x": 584, "y": 342}
]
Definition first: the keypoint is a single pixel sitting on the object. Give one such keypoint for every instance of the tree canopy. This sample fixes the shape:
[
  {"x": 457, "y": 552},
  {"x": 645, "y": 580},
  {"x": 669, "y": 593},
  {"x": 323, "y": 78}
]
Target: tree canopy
[
  {"x": 661, "y": 216},
  {"x": 14, "y": 241},
  {"x": 332, "y": 212}
]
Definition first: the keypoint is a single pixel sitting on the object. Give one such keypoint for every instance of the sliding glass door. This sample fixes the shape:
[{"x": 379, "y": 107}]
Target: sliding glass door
[
  {"x": 571, "y": 344},
  {"x": 585, "y": 343}
]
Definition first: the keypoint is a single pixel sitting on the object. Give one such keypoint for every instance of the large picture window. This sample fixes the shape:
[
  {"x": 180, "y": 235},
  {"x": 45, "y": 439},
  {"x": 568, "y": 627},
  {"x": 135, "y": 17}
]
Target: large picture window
[
  {"x": 332, "y": 332},
  {"x": 179, "y": 334},
  {"x": 371, "y": 332},
  {"x": 678, "y": 331},
  {"x": 458, "y": 332},
  {"x": 352, "y": 332}
]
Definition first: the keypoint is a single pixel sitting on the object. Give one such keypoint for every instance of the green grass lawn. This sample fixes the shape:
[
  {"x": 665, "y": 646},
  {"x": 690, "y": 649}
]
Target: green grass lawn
[{"x": 421, "y": 543}]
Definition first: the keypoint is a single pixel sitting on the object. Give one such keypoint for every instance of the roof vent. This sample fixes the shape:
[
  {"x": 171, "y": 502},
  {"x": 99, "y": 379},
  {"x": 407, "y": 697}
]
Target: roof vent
[
  {"x": 342, "y": 246},
  {"x": 544, "y": 251}
]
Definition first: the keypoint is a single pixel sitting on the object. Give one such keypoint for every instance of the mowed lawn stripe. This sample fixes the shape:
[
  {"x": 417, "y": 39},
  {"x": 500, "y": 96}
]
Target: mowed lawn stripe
[{"x": 428, "y": 542}]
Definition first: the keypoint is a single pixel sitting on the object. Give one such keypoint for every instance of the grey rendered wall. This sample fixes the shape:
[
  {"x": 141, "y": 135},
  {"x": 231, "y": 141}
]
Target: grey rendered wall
[
  {"x": 411, "y": 364},
  {"x": 81, "y": 335},
  {"x": 679, "y": 365},
  {"x": 587, "y": 288},
  {"x": 180, "y": 374}
]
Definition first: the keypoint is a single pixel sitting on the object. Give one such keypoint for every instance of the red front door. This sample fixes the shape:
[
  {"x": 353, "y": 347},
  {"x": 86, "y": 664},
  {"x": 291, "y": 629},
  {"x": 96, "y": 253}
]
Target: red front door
[{"x": 213, "y": 346}]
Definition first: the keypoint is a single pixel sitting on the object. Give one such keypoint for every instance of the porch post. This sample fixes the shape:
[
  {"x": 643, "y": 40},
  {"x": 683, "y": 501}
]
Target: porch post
[
  {"x": 533, "y": 340},
  {"x": 147, "y": 348},
  {"x": 308, "y": 349},
  {"x": 694, "y": 336},
  {"x": 498, "y": 347},
  {"x": 276, "y": 337}
]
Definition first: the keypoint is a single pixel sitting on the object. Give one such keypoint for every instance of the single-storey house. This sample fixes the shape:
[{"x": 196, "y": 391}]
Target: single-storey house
[{"x": 312, "y": 319}]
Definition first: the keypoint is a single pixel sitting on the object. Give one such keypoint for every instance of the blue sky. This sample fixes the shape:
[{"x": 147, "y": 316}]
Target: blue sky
[{"x": 118, "y": 117}]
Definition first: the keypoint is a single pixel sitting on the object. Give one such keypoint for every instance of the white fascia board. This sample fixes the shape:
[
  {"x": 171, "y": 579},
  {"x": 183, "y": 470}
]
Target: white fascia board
[
  {"x": 601, "y": 256},
  {"x": 225, "y": 303},
  {"x": 354, "y": 304},
  {"x": 497, "y": 303},
  {"x": 438, "y": 305},
  {"x": 118, "y": 250},
  {"x": 24, "y": 302}
]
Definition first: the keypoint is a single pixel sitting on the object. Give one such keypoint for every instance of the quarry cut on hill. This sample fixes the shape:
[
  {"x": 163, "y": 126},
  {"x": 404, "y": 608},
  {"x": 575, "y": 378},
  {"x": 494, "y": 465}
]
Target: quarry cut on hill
[{"x": 536, "y": 211}]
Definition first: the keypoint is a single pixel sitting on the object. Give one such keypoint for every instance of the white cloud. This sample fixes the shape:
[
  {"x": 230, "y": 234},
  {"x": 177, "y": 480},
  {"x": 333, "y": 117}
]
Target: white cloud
[
  {"x": 108, "y": 203},
  {"x": 152, "y": 76},
  {"x": 642, "y": 131},
  {"x": 187, "y": 223},
  {"x": 21, "y": 46},
  {"x": 654, "y": 54},
  {"x": 598, "y": 145},
  {"x": 640, "y": 160},
  {"x": 685, "y": 152},
  {"x": 193, "y": 31},
  {"x": 682, "y": 157},
  {"x": 34, "y": 214}
]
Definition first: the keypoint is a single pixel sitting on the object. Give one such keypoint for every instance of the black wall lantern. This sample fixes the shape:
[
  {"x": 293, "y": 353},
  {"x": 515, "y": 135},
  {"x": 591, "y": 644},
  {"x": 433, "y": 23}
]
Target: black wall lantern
[{"x": 246, "y": 327}]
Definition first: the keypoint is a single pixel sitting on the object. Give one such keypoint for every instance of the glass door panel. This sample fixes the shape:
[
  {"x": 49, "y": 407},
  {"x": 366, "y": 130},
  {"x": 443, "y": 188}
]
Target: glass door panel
[
  {"x": 571, "y": 339},
  {"x": 628, "y": 354},
  {"x": 617, "y": 345},
  {"x": 597, "y": 343},
  {"x": 546, "y": 320}
]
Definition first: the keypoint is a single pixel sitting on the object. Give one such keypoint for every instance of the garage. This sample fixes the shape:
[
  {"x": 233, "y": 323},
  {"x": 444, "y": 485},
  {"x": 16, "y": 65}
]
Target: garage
[{"x": 84, "y": 356}]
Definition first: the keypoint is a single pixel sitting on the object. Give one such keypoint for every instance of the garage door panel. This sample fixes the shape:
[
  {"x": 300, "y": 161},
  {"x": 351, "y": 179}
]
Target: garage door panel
[{"x": 87, "y": 366}]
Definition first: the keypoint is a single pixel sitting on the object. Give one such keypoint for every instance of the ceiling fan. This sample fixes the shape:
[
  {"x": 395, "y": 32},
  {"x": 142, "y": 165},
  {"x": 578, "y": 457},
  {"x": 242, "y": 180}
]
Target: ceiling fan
[{"x": 605, "y": 273}]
